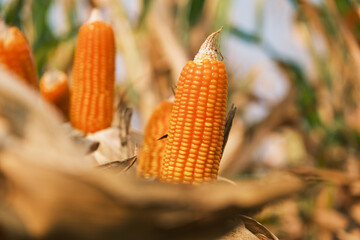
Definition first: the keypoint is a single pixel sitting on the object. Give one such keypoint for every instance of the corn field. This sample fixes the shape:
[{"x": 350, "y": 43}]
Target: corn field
[{"x": 172, "y": 119}]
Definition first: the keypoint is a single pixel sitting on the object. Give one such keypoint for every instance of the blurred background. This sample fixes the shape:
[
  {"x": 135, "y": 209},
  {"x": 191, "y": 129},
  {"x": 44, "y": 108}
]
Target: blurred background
[{"x": 294, "y": 76}]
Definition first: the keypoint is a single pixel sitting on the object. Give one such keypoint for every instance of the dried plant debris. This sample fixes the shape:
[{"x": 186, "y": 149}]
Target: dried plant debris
[
  {"x": 249, "y": 229},
  {"x": 228, "y": 123},
  {"x": 48, "y": 191},
  {"x": 110, "y": 148},
  {"x": 120, "y": 166},
  {"x": 91, "y": 146},
  {"x": 162, "y": 137},
  {"x": 28, "y": 125},
  {"x": 93, "y": 205},
  {"x": 117, "y": 143},
  {"x": 125, "y": 119}
]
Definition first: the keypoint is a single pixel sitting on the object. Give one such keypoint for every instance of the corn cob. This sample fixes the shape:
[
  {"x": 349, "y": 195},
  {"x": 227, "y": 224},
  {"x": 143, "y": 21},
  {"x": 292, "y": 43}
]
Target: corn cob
[
  {"x": 54, "y": 88},
  {"x": 16, "y": 54},
  {"x": 92, "y": 92},
  {"x": 194, "y": 146},
  {"x": 152, "y": 150}
]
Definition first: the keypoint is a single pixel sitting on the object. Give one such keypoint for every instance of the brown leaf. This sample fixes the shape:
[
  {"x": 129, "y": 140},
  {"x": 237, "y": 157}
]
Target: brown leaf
[
  {"x": 120, "y": 166},
  {"x": 228, "y": 123},
  {"x": 257, "y": 229}
]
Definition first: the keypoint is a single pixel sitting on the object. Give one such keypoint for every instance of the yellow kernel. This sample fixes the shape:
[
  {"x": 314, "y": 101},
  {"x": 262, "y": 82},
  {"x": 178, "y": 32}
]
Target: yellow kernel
[
  {"x": 192, "y": 150},
  {"x": 208, "y": 124},
  {"x": 206, "y": 71},
  {"x": 202, "y": 158},
  {"x": 186, "y": 131},
  {"x": 188, "y": 173},
  {"x": 177, "y": 169},
  {"x": 198, "y": 72},
  {"x": 207, "y": 133},
  {"x": 200, "y": 161},
  {"x": 180, "y": 165},
  {"x": 186, "y": 136},
  {"x": 206, "y": 77},
  {"x": 199, "y": 170},
  {"x": 182, "y": 152},
  {"x": 198, "y": 175},
  {"x": 198, "y": 124},
  {"x": 177, "y": 179},
  {"x": 202, "y": 154},
  {"x": 187, "y": 178},
  {"x": 181, "y": 158}
]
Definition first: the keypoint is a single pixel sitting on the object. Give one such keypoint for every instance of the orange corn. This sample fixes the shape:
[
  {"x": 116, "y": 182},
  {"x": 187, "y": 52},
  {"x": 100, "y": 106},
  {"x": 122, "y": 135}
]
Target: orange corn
[
  {"x": 194, "y": 145},
  {"x": 16, "y": 54},
  {"x": 54, "y": 88},
  {"x": 92, "y": 93},
  {"x": 152, "y": 150}
]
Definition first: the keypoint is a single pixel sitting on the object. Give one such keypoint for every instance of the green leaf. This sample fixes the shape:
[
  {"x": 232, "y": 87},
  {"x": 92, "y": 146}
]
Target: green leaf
[
  {"x": 12, "y": 13},
  {"x": 248, "y": 37},
  {"x": 343, "y": 5},
  {"x": 144, "y": 11},
  {"x": 306, "y": 94},
  {"x": 44, "y": 40},
  {"x": 195, "y": 11}
]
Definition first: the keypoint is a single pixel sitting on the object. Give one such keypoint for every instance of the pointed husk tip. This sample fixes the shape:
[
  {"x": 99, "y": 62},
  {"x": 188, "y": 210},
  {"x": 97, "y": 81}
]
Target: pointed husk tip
[
  {"x": 95, "y": 15},
  {"x": 3, "y": 26},
  {"x": 208, "y": 49}
]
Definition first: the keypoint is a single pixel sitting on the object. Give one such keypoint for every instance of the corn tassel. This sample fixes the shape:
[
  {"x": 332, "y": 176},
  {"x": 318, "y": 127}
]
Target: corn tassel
[
  {"x": 194, "y": 146},
  {"x": 16, "y": 54},
  {"x": 152, "y": 150},
  {"x": 92, "y": 92},
  {"x": 55, "y": 89}
]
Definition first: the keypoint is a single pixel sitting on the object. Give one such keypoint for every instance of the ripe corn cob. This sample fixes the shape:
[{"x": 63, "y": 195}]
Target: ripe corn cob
[
  {"x": 54, "y": 88},
  {"x": 16, "y": 54},
  {"x": 152, "y": 150},
  {"x": 194, "y": 145},
  {"x": 92, "y": 92}
]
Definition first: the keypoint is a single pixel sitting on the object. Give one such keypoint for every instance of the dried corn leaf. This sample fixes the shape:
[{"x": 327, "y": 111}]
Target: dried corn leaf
[{"x": 120, "y": 166}]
